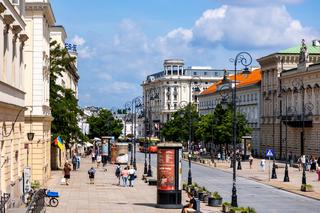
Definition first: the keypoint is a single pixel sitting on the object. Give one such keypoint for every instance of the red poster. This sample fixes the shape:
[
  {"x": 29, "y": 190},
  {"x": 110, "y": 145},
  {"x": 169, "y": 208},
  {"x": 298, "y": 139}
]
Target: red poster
[{"x": 166, "y": 171}]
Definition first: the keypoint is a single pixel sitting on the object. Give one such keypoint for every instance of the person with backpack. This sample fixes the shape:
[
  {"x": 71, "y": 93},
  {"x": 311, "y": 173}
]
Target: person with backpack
[
  {"x": 91, "y": 174},
  {"x": 74, "y": 162},
  {"x": 118, "y": 173}
]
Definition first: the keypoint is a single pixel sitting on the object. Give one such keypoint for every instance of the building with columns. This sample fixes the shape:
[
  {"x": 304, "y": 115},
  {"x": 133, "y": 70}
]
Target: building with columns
[
  {"x": 290, "y": 79},
  {"x": 175, "y": 86},
  {"x": 12, "y": 101},
  {"x": 248, "y": 102},
  {"x": 39, "y": 18}
]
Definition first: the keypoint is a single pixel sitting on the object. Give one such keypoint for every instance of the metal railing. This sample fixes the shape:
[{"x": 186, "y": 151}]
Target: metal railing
[
  {"x": 4, "y": 199},
  {"x": 37, "y": 204}
]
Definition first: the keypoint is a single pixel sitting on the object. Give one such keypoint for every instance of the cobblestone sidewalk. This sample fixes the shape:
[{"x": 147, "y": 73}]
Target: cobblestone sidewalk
[{"x": 105, "y": 195}]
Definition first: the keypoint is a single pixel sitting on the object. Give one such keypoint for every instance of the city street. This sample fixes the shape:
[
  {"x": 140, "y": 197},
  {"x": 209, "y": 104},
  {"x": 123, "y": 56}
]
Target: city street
[{"x": 263, "y": 198}]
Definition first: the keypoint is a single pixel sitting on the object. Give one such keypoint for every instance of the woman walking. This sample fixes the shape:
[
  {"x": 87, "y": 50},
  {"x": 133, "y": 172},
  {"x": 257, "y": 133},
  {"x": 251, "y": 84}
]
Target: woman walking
[
  {"x": 132, "y": 176},
  {"x": 66, "y": 171},
  {"x": 124, "y": 175}
]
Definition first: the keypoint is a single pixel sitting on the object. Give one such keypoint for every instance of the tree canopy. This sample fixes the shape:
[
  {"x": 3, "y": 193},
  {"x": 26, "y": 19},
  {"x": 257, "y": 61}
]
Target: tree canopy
[
  {"x": 216, "y": 127},
  {"x": 63, "y": 103},
  {"x": 104, "y": 124}
]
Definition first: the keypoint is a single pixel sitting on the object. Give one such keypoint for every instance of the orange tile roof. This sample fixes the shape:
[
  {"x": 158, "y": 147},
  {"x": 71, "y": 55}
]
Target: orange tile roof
[{"x": 253, "y": 78}]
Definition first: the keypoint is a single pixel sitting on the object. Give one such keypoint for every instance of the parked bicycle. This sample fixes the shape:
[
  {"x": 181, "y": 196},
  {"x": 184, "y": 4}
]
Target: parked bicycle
[{"x": 50, "y": 197}]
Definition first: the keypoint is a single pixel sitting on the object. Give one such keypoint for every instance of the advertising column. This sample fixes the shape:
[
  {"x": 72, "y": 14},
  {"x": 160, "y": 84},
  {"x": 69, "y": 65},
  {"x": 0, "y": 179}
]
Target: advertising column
[{"x": 169, "y": 175}]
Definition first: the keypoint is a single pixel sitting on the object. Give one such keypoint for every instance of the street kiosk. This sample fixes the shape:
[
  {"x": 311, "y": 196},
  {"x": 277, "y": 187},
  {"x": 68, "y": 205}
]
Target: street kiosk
[{"x": 169, "y": 180}]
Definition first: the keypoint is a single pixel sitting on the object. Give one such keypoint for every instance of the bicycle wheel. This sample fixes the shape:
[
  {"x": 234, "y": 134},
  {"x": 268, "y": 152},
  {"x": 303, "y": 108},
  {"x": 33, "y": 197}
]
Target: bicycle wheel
[{"x": 53, "y": 202}]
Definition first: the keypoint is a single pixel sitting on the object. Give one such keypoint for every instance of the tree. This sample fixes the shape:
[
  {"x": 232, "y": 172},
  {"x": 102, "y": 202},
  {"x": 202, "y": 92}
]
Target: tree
[
  {"x": 104, "y": 124},
  {"x": 63, "y": 103},
  {"x": 177, "y": 129}
]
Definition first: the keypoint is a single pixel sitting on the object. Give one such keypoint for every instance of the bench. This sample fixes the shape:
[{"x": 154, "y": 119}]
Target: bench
[{"x": 152, "y": 182}]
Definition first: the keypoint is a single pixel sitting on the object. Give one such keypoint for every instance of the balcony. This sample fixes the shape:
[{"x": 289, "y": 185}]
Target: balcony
[{"x": 296, "y": 120}]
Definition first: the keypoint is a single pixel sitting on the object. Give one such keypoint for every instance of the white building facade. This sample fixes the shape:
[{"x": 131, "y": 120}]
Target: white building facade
[{"x": 173, "y": 88}]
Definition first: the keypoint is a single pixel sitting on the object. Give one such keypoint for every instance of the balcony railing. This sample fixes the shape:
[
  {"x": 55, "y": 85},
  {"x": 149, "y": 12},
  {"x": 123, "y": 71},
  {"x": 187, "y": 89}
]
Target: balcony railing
[{"x": 296, "y": 120}]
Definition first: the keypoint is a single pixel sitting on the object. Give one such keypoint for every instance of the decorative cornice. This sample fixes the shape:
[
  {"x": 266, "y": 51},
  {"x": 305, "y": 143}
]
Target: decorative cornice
[
  {"x": 2, "y": 7},
  {"x": 16, "y": 29},
  {"x": 8, "y": 19},
  {"x": 23, "y": 38},
  {"x": 45, "y": 7}
]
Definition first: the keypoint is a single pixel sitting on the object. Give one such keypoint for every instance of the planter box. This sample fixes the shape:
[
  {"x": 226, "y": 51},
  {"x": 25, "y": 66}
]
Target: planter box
[
  {"x": 200, "y": 195},
  {"x": 205, "y": 198},
  {"x": 226, "y": 208},
  {"x": 235, "y": 211},
  {"x": 214, "y": 202},
  {"x": 306, "y": 188}
]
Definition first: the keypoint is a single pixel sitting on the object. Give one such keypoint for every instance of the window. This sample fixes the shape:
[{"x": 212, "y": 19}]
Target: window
[
  {"x": 175, "y": 106},
  {"x": 175, "y": 82},
  {"x": 168, "y": 82},
  {"x": 168, "y": 106},
  {"x": 15, "y": 2},
  {"x": 206, "y": 82},
  {"x": 194, "y": 73},
  {"x": 204, "y": 73}
]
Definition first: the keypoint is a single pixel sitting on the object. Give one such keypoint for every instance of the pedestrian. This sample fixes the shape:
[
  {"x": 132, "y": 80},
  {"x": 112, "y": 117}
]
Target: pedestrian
[
  {"x": 219, "y": 156},
  {"x": 132, "y": 176},
  {"x": 74, "y": 162},
  {"x": 313, "y": 163},
  {"x": 78, "y": 161},
  {"x": 263, "y": 164},
  {"x": 318, "y": 161},
  {"x": 250, "y": 161},
  {"x": 93, "y": 156},
  {"x": 124, "y": 175},
  {"x": 98, "y": 160},
  {"x": 118, "y": 172},
  {"x": 66, "y": 171},
  {"x": 318, "y": 172},
  {"x": 91, "y": 174},
  {"x": 191, "y": 206}
]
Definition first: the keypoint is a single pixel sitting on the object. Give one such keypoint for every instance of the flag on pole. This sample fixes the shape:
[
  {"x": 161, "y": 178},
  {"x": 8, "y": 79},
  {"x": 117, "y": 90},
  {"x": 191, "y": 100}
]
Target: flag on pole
[{"x": 58, "y": 142}]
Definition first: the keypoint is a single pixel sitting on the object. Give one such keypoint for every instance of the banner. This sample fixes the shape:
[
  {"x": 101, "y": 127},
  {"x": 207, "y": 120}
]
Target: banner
[
  {"x": 166, "y": 171},
  {"x": 58, "y": 142}
]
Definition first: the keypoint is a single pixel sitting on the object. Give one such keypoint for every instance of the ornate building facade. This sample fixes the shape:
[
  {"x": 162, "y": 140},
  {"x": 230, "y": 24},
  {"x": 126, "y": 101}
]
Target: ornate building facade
[
  {"x": 12, "y": 100},
  {"x": 290, "y": 80},
  {"x": 167, "y": 91}
]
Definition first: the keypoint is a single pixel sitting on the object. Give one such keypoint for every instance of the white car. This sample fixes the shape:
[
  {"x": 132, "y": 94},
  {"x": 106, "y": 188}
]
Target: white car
[{"x": 122, "y": 159}]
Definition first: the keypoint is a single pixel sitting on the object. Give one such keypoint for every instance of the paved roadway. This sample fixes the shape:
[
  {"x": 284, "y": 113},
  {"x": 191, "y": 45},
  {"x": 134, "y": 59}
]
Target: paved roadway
[{"x": 264, "y": 198}]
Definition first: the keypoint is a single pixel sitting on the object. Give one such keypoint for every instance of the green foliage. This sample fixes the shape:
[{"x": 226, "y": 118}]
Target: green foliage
[
  {"x": 104, "y": 124},
  {"x": 215, "y": 195},
  {"x": 178, "y": 128},
  {"x": 226, "y": 204},
  {"x": 35, "y": 184},
  {"x": 63, "y": 103}
]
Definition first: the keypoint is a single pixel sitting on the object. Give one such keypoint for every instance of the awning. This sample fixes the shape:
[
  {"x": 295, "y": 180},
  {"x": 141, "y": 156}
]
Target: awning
[{"x": 88, "y": 144}]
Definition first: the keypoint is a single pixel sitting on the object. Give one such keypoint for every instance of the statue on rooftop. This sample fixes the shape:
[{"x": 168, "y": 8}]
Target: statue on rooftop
[{"x": 304, "y": 55}]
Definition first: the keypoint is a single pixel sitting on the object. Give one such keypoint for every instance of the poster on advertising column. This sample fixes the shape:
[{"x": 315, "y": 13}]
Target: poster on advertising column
[{"x": 166, "y": 171}]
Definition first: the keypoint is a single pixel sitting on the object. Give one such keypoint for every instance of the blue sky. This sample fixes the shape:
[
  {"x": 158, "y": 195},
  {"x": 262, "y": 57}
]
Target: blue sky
[{"x": 122, "y": 41}]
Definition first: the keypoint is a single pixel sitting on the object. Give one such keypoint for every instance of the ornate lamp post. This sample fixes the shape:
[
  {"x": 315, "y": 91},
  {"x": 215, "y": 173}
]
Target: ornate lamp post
[
  {"x": 245, "y": 59},
  {"x": 128, "y": 107},
  {"x": 196, "y": 88},
  {"x": 136, "y": 103}
]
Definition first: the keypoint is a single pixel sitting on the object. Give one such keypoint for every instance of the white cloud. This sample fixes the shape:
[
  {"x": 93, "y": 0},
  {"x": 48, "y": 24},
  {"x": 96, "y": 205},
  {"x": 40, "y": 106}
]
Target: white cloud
[
  {"x": 86, "y": 52},
  {"x": 259, "y": 2},
  {"x": 77, "y": 40},
  {"x": 238, "y": 27}
]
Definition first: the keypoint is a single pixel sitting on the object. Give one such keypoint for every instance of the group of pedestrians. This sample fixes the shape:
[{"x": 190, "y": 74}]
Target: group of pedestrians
[
  {"x": 127, "y": 174},
  {"x": 76, "y": 161}
]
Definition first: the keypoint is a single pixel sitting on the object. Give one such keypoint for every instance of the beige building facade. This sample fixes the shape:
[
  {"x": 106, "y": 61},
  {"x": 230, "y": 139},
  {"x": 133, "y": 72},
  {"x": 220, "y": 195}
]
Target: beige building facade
[
  {"x": 289, "y": 82},
  {"x": 12, "y": 100},
  {"x": 39, "y": 18}
]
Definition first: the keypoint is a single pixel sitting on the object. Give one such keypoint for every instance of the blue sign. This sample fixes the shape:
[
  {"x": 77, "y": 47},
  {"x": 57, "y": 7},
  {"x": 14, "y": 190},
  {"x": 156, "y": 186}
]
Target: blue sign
[
  {"x": 71, "y": 47},
  {"x": 269, "y": 153}
]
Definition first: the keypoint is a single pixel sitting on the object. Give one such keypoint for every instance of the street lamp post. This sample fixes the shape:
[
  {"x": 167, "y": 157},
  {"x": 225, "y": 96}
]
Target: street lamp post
[
  {"x": 245, "y": 59},
  {"x": 136, "y": 104},
  {"x": 298, "y": 84},
  {"x": 286, "y": 171},
  {"x": 129, "y": 108},
  {"x": 190, "y": 126}
]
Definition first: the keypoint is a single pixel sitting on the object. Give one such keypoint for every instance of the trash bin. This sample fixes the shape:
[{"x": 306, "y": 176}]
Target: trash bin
[{"x": 169, "y": 180}]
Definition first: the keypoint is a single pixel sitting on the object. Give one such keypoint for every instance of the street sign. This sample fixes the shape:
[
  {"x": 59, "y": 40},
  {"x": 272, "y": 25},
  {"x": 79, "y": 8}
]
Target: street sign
[{"x": 269, "y": 153}]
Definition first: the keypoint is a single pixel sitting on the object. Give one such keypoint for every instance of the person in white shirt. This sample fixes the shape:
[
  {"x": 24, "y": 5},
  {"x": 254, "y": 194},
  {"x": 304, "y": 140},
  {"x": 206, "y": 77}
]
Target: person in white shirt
[{"x": 132, "y": 176}]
